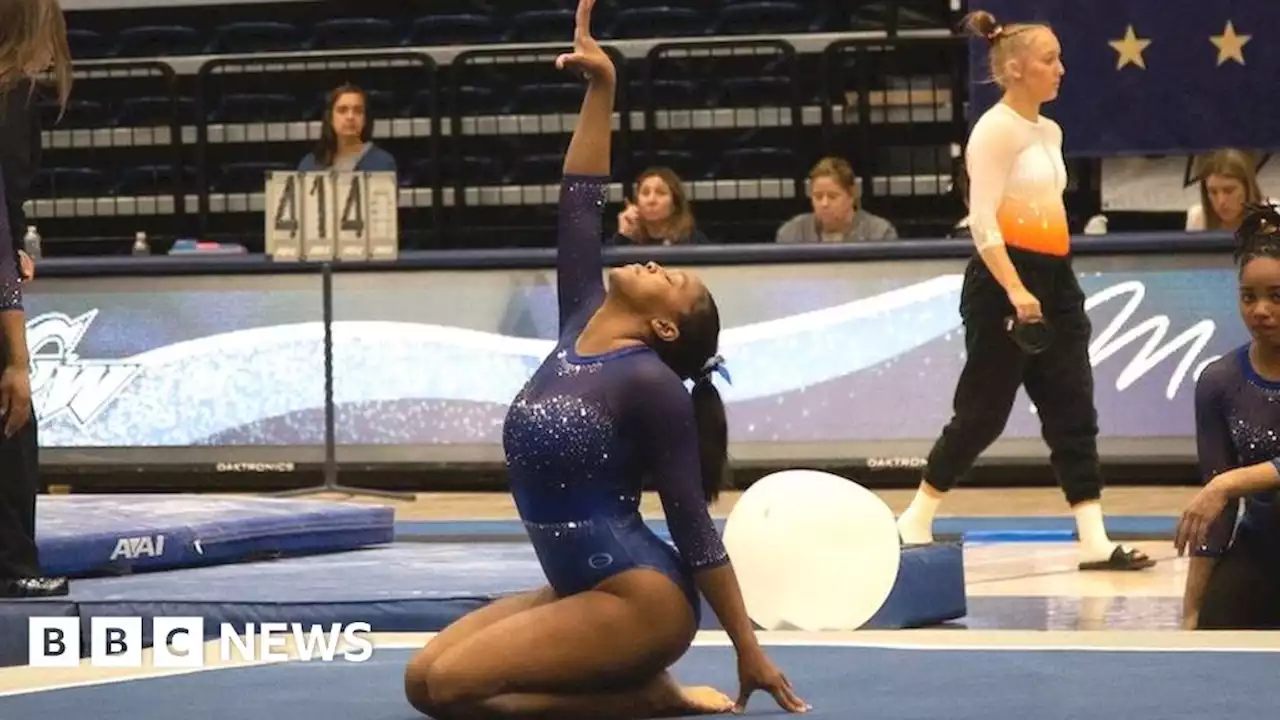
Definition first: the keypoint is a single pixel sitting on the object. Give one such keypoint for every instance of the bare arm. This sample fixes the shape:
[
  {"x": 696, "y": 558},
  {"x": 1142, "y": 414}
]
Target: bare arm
[
  {"x": 585, "y": 185},
  {"x": 591, "y": 144}
]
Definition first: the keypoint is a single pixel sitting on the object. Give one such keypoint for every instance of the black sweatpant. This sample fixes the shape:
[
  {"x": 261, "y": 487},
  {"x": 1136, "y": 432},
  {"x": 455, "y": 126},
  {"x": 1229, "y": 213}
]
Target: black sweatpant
[
  {"x": 1059, "y": 380},
  {"x": 1243, "y": 592},
  {"x": 19, "y": 485}
]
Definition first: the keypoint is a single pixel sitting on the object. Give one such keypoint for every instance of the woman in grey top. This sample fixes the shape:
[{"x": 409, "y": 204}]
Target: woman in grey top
[
  {"x": 346, "y": 134},
  {"x": 836, "y": 215}
]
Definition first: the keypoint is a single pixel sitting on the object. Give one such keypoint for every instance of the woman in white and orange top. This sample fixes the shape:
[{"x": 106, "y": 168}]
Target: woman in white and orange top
[{"x": 1020, "y": 276}]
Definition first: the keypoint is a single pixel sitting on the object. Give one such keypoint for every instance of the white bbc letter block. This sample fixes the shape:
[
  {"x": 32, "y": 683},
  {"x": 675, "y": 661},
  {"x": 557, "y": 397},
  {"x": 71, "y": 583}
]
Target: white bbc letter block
[
  {"x": 178, "y": 642},
  {"x": 53, "y": 641},
  {"x": 115, "y": 641}
]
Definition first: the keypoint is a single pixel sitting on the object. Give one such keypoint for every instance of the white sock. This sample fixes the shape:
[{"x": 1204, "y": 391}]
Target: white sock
[
  {"x": 916, "y": 524},
  {"x": 1094, "y": 543}
]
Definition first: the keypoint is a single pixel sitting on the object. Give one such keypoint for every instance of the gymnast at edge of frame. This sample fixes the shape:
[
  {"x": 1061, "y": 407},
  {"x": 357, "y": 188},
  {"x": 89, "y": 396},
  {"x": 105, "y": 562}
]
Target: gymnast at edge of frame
[{"x": 607, "y": 410}]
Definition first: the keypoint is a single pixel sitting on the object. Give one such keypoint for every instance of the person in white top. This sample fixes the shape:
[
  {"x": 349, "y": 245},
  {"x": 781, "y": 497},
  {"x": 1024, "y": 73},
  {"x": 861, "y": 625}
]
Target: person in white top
[
  {"x": 1228, "y": 184},
  {"x": 1022, "y": 306}
]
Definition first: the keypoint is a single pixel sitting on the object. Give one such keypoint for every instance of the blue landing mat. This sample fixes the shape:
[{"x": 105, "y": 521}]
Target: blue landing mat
[
  {"x": 970, "y": 529},
  {"x": 839, "y": 682},
  {"x": 411, "y": 587},
  {"x": 81, "y": 535}
]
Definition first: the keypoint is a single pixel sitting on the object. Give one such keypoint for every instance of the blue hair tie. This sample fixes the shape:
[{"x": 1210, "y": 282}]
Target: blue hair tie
[{"x": 716, "y": 365}]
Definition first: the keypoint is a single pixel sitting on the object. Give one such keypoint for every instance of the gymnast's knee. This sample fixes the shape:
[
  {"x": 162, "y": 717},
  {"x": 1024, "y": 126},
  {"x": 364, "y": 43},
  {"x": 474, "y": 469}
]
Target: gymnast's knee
[
  {"x": 428, "y": 691},
  {"x": 415, "y": 686},
  {"x": 449, "y": 690}
]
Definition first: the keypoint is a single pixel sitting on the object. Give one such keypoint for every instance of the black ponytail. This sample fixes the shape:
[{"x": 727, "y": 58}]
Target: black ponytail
[
  {"x": 1259, "y": 234},
  {"x": 688, "y": 356},
  {"x": 713, "y": 437}
]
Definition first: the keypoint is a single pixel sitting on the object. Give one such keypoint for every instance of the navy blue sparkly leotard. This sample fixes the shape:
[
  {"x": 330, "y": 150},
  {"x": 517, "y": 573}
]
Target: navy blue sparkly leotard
[
  {"x": 1238, "y": 425},
  {"x": 586, "y": 431}
]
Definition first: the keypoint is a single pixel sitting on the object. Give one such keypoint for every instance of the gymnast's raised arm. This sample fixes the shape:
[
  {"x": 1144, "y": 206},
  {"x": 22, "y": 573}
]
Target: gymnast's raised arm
[
  {"x": 586, "y": 174},
  {"x": 15, "y": 380}
]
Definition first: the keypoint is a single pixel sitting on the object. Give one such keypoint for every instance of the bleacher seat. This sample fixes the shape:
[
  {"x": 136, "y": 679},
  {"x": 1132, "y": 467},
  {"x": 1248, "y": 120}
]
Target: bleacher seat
[
  {"x": 670, "y": 94},
  {"x": 476, "y": 170},
  {"x": 352, "y": 33},
  {"x": 755, "y": 91},
  {"x": 661, "y": 21},
  {"x": 471, "y": 29},
  {"x": 240, "y": 98},
  {"x": 680, "y": 161},
  {"x": 546, "y": 98},
  {"x": 69, "y": 182},
  {"x": 150, "y": 41},
  {"x": 536, "y": 168},
  {"x": 763, "y": 18},
  {"x": 247, "y": 177},
  {"x": 540, "y": 26},
  {"x": 153, "y": 180},
  {"x": 754, "y": 162},
  {"x": 251, "y": 37},
  {"x": 256, "y": 107},
  {"x": 79, "y": 114},
  {"x": 87, "y": 44},
  {"x": 153, "y": 111},
  {"x": 472, "y": 99}
]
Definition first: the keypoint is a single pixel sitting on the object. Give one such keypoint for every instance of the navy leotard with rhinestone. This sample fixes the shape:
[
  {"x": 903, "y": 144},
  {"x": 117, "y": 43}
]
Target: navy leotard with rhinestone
[
  {"x": 1238, "y": 425},
  {"x": 586, "y": 432}
]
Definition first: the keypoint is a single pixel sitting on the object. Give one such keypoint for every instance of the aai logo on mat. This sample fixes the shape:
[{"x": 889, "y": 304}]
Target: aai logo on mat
[{"x": 179, "y": 642}]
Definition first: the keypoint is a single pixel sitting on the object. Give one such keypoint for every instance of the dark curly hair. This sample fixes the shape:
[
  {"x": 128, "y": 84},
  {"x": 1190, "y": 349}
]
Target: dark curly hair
[{"x": 1259, "y": 234}]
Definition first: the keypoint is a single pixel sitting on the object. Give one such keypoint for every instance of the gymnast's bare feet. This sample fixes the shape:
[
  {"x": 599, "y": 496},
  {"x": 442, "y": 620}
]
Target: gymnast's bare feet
[{"x": 670, "y": 699}]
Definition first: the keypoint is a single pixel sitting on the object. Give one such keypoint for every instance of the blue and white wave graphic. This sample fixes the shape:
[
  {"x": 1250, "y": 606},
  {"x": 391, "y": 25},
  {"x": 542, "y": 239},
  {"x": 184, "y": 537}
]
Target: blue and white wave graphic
[
  {"x": 880, "y": 367},
  {"x": 190, "y": 392}
]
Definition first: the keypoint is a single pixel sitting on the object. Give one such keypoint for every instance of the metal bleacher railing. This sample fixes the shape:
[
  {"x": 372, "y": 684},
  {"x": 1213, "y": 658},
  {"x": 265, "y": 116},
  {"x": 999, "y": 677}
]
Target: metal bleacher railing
[{"x": 178, "y": 147}]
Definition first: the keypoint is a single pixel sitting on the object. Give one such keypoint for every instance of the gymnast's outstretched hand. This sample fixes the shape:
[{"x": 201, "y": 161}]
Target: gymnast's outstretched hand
[
  {"x": 757, "y": 672},
  {"x": 587, "y": 56}
]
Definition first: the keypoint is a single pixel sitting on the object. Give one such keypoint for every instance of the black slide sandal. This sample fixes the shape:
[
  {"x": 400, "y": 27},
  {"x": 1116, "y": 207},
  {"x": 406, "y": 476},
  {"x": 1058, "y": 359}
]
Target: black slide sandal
[{"x": 1121, "y": 560}]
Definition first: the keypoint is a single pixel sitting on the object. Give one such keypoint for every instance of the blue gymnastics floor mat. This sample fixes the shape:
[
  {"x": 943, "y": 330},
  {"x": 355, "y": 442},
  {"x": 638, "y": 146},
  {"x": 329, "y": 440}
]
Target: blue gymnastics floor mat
[
  {"x": 968, "y": 529},
  {"x": 839, "y": 682},
  {"x": 404, "y": 587},
  {"x": 86, "y": 535}
]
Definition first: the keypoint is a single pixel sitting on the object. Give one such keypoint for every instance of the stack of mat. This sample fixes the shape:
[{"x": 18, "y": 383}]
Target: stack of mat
[{"x": 251, "y": 560}]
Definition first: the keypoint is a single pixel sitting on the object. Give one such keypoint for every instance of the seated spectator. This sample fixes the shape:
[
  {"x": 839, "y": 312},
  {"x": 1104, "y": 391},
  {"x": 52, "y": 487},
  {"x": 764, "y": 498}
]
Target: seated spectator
[
  {"x": 661, "y": 213},
  {"x": 837, "y": 214},
  {"x": 1228, "y": 182},
  {"x": 345, "y": 137}
]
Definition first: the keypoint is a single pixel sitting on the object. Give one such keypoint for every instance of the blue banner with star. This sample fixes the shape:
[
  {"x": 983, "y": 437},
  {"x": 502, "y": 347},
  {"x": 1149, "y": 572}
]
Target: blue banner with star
[{"x": 1153, "y": 77}]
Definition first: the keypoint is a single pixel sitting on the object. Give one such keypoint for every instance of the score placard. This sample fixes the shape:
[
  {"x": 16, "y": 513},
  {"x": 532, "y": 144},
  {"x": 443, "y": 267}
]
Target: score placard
[{"x": 349, "y": 216}]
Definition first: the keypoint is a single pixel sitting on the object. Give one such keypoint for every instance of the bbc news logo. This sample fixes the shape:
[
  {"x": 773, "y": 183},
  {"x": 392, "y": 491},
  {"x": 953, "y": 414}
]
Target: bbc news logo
[{"x": 179, "y": 642}]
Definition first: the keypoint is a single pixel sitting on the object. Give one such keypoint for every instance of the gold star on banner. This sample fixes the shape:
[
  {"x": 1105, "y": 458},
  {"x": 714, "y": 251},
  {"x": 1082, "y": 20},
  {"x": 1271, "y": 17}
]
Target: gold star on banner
[
  {"x": 1230, "y": 45},
  {"x": 1130, "y": 49}
]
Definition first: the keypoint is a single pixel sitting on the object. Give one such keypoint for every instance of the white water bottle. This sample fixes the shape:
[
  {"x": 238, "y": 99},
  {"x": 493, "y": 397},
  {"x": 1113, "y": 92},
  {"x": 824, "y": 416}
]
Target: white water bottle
[
  {"x": 140, "y": 244},
  {"x": 31, "y": 243}
]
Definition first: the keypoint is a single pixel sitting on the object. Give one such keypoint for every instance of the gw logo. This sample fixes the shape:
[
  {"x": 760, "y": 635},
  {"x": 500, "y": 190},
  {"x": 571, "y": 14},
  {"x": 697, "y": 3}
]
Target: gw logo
[{"x": 136, "y": 547}]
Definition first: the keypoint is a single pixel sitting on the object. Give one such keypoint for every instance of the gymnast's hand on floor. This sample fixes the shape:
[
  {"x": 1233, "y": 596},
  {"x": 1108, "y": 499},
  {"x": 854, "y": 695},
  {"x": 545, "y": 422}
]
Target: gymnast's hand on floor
[
  {"x": 757, "y": 672},
  {"x": 587, "y": 57}
]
